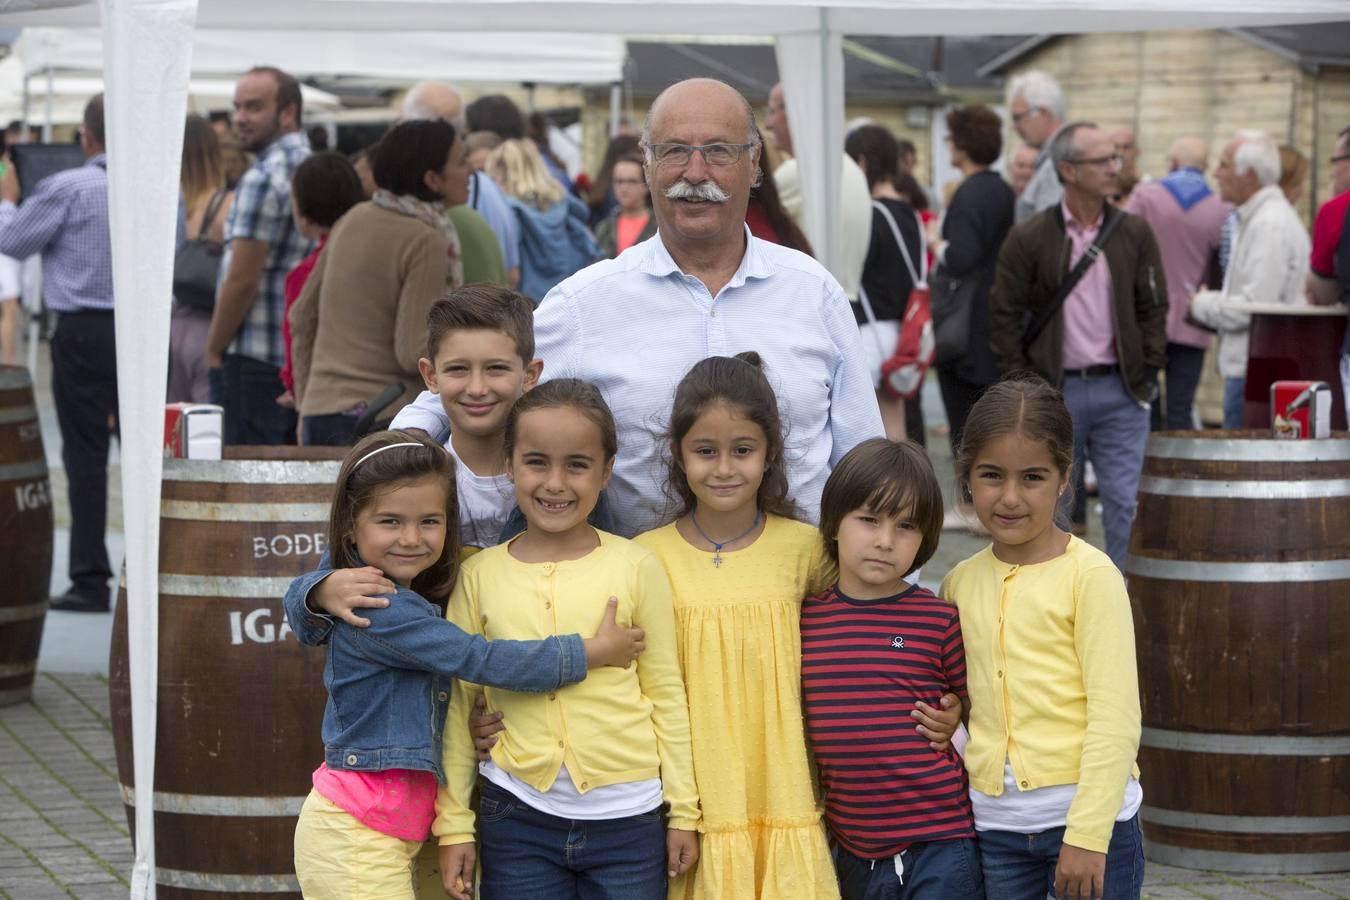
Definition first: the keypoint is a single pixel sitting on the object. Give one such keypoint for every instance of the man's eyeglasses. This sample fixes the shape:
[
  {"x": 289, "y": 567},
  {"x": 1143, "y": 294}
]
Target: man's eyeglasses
[
  {"x": 1017, "y": 117},
  {"x": 628, "y": 181},
  {"x": 1099, "y": 161},
  {"x": 1340, "y": 158},
  {"x": 713, "y": 154}
]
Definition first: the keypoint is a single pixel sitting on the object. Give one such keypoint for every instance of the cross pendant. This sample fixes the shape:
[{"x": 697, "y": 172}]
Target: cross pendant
[{"x": 717, "y": 560}]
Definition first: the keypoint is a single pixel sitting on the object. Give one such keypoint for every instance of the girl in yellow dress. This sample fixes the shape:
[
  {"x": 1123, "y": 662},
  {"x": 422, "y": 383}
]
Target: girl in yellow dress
[{"x": 739, "y": 565}]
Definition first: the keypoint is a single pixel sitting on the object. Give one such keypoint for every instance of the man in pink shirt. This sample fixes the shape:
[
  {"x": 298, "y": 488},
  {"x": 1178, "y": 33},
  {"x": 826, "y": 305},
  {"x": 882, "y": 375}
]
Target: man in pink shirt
[
  {"x": 1104, "y": 346},
  {"x": 1187, "y": 218}
]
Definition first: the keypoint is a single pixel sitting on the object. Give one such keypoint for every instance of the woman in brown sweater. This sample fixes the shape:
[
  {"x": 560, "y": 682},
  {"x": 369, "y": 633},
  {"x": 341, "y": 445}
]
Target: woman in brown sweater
[{"x": 359, "y": 325}]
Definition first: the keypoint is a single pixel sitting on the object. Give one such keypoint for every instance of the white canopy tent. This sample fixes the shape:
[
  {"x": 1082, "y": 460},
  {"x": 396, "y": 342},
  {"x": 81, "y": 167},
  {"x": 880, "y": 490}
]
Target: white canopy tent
[{"x": 149, "y": 45}]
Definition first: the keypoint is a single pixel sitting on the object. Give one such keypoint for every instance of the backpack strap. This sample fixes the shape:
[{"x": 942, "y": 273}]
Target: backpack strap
[
  {"x": 919, "y": 276},
  {"x": 1111, "y": 217},
  {"x": 212, "y": 208}
]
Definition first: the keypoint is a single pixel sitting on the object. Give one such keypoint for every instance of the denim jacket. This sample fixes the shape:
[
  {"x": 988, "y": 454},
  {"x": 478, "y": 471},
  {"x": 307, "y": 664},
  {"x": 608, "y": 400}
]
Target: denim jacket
[{"x": 389, "y": 685}]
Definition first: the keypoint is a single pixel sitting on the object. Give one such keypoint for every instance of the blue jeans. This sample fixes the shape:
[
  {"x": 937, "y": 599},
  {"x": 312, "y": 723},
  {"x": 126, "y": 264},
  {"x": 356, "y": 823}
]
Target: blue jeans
[
  {"x": 528, "y": 853},
  {"x": 1110, "y": 427},
  {"x": 248, "y": 390},
  {"x": 1233, "y": 390},
  {"x": 949, "y": 870},
  {"x": 1184, "y": 367},
  {"x": 1022, "y": 866}
]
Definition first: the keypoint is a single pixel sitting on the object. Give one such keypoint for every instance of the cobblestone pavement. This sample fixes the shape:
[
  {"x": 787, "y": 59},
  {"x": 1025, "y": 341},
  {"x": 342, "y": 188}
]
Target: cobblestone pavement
[{"x": 63, "y": 832}]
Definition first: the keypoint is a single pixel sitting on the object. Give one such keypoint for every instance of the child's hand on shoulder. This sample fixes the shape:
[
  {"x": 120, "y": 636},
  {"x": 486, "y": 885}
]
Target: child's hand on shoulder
[
  {"x": 681, "y": 851},
  {"x": 457, "y": 862},
  {"x": 938, "y": 724},
  {"x": 347, "y": 590},
  {"x": 613, "y": 644}
]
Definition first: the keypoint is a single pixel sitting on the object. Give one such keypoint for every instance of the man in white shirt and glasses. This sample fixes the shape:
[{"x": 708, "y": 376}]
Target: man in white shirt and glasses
[{"x": 703, "y": 286}]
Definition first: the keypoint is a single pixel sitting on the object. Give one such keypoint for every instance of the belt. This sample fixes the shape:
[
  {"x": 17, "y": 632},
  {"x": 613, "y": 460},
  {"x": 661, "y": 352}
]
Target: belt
[
  {"x": 83, "y": 311},
  {"x": 1092, "y": 371}
]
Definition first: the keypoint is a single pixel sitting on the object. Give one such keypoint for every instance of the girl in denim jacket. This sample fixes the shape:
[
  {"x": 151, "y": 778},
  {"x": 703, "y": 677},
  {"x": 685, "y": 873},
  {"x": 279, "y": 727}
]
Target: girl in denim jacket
[{"x": 389, "y": 684}]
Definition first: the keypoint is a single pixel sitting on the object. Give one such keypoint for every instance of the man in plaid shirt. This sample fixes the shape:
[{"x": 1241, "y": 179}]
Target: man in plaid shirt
[{"x": 243, "y": 348}]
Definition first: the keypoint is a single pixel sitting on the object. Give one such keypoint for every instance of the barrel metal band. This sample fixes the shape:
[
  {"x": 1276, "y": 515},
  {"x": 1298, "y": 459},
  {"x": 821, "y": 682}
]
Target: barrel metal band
[
  {"x": 1245, "y": 744},
  {"x": 15, "y": 378},
  {"x": 1245, "y": 824},
  {"x": 17, "y": 414},
  {"x": 1245, "y": 490},
  {"x": 194, "y": 510},
  {"x": 231, "y": 586},
  {"x": 253, "y": 471},
  {"x": 22, "y": 613},
  {"x": 11, "y": 670},
  {"x": 1239, "y": 450},
  {"x": 1247, "y": 863},
  {"x": 1193, "y": 570},
  {"x": 211, "y": 805},
  {"x": 223, "y": 883},
  {"x": 36, "y": 468}
]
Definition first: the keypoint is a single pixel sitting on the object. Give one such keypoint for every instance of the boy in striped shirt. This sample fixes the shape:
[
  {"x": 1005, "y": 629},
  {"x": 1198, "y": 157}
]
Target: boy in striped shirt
[{"x": 874, "y": 646}]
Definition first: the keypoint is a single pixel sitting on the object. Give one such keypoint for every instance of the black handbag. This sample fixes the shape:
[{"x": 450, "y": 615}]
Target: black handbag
[
  {"x": 196, "y": 265},
  {"x": 953, "y": 303}
]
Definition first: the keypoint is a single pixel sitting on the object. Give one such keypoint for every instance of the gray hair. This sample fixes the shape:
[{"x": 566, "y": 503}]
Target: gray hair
[
  {"x": 1189, "y": 152},
  {"x": 416, "y": 105},
  {"x": 1257, "y": 153},
  {"x": 754, "y": 137},
  {"x": 1061, "y": 145},
  {"x": 1038, "y": 89}
]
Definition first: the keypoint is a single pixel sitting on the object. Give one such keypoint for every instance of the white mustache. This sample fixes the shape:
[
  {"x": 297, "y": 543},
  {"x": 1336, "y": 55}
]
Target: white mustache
[{"x": 683, "y": 190}]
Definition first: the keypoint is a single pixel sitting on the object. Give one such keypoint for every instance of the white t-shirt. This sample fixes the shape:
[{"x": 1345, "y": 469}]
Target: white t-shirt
[
  {"x": 1031, "y": 812},
  {"x": 10, "y": 278},
  {"x": 485, "y": 503},
  {"x": 562, "y": 799}
]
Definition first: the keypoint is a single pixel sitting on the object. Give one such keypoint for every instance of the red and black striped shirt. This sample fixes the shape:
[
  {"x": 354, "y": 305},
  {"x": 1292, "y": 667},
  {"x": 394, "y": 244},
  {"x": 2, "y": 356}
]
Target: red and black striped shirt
[{"x": 864, "y": 664}]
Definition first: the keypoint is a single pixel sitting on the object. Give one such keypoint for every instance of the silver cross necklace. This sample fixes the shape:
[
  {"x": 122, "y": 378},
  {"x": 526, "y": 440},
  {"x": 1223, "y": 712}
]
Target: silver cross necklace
[{"x": 717, "y": 547}]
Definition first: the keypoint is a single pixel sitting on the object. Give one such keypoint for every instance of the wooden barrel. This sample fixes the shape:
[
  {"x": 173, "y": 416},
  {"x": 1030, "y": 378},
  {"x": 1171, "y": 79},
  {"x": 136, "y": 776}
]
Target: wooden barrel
[
  {"x": 26, "y": 526},
  {"x": 240, "y": 700},
  {"x": 1239, "y": 576}
]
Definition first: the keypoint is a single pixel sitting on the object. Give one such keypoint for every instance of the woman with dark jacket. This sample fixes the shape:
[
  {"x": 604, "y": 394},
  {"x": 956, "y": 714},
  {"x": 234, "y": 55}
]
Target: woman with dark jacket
[{"x": 976, "y": 222}]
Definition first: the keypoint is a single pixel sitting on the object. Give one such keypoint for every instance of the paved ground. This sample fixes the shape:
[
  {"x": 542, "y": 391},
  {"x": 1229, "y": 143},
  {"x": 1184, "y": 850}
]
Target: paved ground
[{"x": 63, "y": 830}]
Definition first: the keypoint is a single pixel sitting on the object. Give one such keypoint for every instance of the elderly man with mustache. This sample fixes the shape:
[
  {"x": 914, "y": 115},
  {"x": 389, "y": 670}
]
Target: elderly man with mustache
[{"x": 703, "y": 286}]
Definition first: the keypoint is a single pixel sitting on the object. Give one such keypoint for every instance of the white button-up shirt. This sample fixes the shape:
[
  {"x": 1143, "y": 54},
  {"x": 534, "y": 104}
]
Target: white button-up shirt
[{"x": 633, "y": 326}]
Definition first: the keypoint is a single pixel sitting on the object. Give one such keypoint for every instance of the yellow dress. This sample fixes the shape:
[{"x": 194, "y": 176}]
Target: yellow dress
[{"x": 740, "y": 651}]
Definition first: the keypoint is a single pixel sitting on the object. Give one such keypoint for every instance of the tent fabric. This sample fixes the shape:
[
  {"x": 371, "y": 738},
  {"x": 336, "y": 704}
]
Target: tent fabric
[
  {"x": 456, "y": 58},
  {"x": 149, "y": 46}
]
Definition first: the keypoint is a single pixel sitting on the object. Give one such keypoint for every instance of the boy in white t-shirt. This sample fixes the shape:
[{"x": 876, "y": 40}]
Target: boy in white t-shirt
[{"x": 480, "y": 346}]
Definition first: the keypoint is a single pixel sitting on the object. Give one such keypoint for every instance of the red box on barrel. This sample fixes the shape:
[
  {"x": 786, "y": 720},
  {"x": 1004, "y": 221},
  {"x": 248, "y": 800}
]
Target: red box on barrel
[
  {"x": 193, "y": 430},
  {"x": 1300, "y": 409}
]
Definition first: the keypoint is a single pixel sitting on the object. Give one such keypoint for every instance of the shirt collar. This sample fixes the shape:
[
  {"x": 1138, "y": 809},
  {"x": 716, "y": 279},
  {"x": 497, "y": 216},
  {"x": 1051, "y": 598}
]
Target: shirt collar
[
  {"x": 98, "y": 159},
  {"x": 1258, "y": 199},
  {"x": 289, "y": 141},
  {"x": 1070, "y": 221},
  {"x": 660, "y": 263}
]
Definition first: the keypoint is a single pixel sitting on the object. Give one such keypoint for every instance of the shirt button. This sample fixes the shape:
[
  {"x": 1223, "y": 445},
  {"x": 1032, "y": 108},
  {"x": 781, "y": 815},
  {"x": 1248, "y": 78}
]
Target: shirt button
[
  {"x": 560, "y": 743},
  {"x": 1000, "y": 673},
  {"x": 585, "y": 785},
  {"x": 443, "y": 696},
  {"x": 553, "y": 696},
  {"x": 351, "y": 759},
  {"x": 1026, "y": 784},
  {"x": 548, "y": 605}
]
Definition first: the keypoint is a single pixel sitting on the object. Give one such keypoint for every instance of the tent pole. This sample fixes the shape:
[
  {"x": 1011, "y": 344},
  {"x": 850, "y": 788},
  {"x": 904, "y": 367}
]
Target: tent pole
[
  {"x": 615, "y": 107},
  {"x": 47, "y": 107}
]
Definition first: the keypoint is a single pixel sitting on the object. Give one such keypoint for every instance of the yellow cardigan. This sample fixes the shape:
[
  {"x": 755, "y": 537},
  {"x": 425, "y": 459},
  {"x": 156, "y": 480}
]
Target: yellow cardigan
[
  {"x": 1050, "y": 649},
  {"x": 617, "y": 726}
]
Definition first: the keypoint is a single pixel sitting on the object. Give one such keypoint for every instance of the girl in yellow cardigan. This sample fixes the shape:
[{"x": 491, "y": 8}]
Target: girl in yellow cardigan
[
  {"x": 1054, "y": 695},
  {"x": 591, "y": 791}
]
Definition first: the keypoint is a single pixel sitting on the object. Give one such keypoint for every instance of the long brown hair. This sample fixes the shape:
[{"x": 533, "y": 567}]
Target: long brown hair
[
  {"x": 363, "y": 476},
  {"x": 203, "y": 169},
  {"x": 740, "y": 383},
  {"x": 766, "y": 194}
]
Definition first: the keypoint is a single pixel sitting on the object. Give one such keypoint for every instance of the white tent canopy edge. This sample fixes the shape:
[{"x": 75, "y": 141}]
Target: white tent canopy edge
[{"x": 146, "y": 70}]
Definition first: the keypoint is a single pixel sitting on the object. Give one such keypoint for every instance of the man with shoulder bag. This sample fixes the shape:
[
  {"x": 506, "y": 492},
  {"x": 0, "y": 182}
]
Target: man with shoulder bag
[{"x": 1079, "y": 297}]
